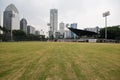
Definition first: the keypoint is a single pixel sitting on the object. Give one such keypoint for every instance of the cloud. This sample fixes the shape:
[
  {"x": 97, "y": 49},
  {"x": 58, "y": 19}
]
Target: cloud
[{"x": 87, "y": 13}]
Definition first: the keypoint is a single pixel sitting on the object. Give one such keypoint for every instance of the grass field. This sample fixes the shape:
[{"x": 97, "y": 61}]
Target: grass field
[{"x": 59, "y": 61}]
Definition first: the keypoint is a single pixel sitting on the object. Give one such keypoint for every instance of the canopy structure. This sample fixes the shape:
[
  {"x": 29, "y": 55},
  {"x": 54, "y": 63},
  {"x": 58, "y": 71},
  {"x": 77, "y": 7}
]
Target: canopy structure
[{"x": 80, "y": 32}]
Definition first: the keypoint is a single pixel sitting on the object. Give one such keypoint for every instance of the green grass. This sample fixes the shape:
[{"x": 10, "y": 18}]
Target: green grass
[{"x": 59, "y": 61}]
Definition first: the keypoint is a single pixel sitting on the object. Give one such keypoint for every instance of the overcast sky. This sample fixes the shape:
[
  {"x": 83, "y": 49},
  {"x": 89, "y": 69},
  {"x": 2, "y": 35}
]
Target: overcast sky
[{"x": 87, "y": 13}]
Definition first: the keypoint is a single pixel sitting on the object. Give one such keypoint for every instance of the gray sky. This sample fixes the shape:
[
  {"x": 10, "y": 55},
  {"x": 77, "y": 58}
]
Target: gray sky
[{"x": 87, "y": 13}]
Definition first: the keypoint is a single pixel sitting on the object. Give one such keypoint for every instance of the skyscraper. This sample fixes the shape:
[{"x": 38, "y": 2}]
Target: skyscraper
[
  {"x": 23, "y": 25},
  {"x": 53, "y": 22},
  {"x": 0, "y": 19},
  {"x": 73, "y": 25},
  {"x": 11, "y": 18},
  {"x": 0, "y": 22}
]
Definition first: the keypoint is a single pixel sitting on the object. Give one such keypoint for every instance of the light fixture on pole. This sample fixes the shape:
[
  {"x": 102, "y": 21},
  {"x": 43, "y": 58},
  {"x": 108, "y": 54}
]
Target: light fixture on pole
[{"x": 105, "y": 15}]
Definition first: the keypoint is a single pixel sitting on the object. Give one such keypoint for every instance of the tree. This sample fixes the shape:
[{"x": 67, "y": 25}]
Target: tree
[
  {"x": 4, "y": 36},
  {"x": 112, "y": 32},
  {"x": 18, "y": 35},
  {"x": 4, "y": 29}
]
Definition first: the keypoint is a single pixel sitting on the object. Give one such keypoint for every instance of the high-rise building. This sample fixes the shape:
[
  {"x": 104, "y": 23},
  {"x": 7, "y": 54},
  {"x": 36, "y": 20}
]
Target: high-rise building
[
  {"x": 73, "y": 25},
  {"x": 11, "y": 18},
  {"x": 30, "y": 30},
  {"x": 23, "y": 25},
  {"x": 53, "y": 22},
  {"x": 0, "y": 19},
  {"x": 62, "y": 29}
]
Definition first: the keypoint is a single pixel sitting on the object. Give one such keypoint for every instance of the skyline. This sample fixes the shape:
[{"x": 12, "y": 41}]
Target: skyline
[{"x": 37, "y": 12}]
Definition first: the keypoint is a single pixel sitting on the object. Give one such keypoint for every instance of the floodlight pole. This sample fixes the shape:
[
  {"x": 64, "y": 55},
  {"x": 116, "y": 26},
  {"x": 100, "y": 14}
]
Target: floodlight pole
[
  {"x": 11, "y": 38},
  {"x": 11, "y": 33},
  {"x": 105, "y": 15},
  {"x": 106, "y": 27}
]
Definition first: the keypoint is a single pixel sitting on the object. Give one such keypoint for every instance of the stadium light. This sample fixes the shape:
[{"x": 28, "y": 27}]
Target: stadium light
[{"x": 105, "y": 14}]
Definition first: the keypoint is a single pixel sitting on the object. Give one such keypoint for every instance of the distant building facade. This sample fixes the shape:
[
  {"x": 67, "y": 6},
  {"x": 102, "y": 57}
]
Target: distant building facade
[
  {"x": 23, "y": 25},
  {"x": 62, "y": 29},
  {"x": 53, "y": 22},
  {"x": 67, "y": 34},
  {"x": 0, "y": 24},
  {"x": 73, "y": 25},
  {"x": 41, "y": 32},
  {"x": 37, "y": 33},
  {"x": 0, "y": 19},
  {"x": 96, "y": 29},
  {"x": 11, "y": 18},
  {"x": 30, "y": 30}
]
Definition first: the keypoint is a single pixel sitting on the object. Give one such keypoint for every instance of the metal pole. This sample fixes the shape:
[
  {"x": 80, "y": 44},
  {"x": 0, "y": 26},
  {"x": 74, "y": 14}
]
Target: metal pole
[
  {"x": 11, "y": 33},
  {"x": 106, "y": 27},
  {"x": 11, "y": 28}
]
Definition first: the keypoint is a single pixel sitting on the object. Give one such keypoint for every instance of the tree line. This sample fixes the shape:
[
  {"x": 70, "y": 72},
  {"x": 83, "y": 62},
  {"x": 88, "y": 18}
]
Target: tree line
[
  {"x": 19, "y": 35},
  {"x": 113, "y": 32}
]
